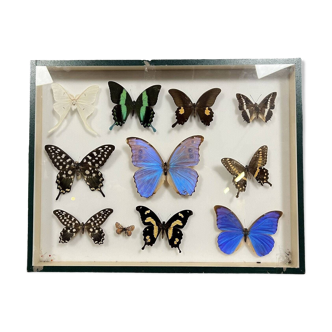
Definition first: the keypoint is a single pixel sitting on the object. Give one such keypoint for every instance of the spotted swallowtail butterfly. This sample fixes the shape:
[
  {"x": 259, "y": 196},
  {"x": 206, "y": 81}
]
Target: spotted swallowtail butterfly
[
  {"x": 88, "y": 168},
  {"x": 73, "y": 226}
]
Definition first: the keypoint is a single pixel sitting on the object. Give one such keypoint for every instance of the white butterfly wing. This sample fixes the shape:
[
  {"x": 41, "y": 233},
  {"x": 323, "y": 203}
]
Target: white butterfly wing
[
  {"x": 84, "y": 105},
  {"x": 63, "y": 103}
]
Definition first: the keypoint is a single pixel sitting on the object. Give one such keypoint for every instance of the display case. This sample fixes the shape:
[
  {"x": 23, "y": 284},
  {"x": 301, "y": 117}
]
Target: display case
[{"x": 225, "y": 135}]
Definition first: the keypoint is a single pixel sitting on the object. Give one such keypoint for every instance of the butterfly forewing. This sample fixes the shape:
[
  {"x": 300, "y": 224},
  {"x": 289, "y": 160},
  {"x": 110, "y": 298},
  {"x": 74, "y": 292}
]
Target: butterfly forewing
[{"x": 249, "y": 112}]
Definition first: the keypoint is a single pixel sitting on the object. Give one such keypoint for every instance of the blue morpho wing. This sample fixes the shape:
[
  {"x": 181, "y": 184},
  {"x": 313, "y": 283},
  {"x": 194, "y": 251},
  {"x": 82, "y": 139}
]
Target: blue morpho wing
[
  {"x": 260, "y": 231},
  {"x": 180, "y": 175},
  {"x": 150, "y": 175},
  {"x": 229, "y": 240}
]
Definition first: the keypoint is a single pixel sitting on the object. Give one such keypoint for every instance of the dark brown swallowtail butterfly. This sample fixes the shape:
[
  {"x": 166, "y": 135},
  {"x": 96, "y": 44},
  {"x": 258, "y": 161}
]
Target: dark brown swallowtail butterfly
[
  {"x": 255, "y": 169},
  {"x": 186, "y": 107}
]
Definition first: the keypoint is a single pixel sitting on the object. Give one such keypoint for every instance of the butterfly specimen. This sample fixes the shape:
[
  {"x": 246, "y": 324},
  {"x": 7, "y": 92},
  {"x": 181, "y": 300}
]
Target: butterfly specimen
[
  {"x": 172, "y": 227},
  {"x": 125, "y": 105},
  {"x": 187, "y": 107},
  {"x": 73, "y": 226},
  {"x": 241, "y": 173},
  {"x": 127, "y": 230},
  {"x": 82, "y": 103},
  {"x": 153, "y": 170},
  {"x": 88, "y": 168},
  {"x": 258, "y": 236},
  {"x": 251, "y": 111}
]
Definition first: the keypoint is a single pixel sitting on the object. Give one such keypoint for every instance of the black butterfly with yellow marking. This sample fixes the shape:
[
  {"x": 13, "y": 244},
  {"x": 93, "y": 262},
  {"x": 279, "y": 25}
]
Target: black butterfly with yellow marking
[
  {"x": 241, "y": 173},
  {"x": 73, "y": 226},
  {"x": 88, "y": 168},
  {"x": 186, "y": 107},
  {"x": 155, "y": 226},
  {"x": 251, "y": 111}
]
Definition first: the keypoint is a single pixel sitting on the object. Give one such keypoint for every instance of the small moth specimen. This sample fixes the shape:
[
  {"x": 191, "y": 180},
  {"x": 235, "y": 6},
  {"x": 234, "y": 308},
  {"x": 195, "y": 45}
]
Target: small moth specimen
[{"x": 127, "y": 230}]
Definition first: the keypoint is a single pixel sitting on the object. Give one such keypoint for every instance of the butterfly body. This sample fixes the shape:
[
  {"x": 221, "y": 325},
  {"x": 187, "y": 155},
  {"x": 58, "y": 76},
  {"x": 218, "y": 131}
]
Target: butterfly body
[
  {"x": 88, "y": 168},
  {"x": 186, "y": 107},
  {"x": 171, "y": 229},
  {"x": 258, "y": 236},
  {"x": 251, "y": 111},
  {"x": 178, "y": 171},
  {"x": 125, "y": 105},
  {"x": 254, "y": 170},
  {"x": 91, "y": 227}
]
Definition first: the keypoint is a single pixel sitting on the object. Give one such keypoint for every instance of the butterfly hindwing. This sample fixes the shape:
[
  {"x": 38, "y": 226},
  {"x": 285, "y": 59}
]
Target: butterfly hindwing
[{"x": 173, "y": 228}]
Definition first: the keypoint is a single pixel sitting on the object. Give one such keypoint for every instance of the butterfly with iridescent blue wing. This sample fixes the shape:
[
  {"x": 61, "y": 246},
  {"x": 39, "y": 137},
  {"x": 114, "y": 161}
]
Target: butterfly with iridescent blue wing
[
  {"x": 153, "y": 171},
  {"x": 258, "y": 236}
]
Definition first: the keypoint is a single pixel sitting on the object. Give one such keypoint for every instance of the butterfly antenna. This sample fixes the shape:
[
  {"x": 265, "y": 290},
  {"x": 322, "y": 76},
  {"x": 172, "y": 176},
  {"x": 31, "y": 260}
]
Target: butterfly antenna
[
  {"x": 252, "y": 98},
  {"x": 58, "y": 195},
  {"x": 111, "y": 127},
  {"x": 174, "y": 124},
  {"x": 154, "y": 129},
  {"x": 102, "y": 192},
  {"x": 258, "y": 98}
]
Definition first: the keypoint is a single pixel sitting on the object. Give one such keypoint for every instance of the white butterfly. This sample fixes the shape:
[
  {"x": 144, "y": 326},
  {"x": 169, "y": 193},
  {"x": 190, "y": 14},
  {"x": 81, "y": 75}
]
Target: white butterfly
[{"x": 82, "y": 103}]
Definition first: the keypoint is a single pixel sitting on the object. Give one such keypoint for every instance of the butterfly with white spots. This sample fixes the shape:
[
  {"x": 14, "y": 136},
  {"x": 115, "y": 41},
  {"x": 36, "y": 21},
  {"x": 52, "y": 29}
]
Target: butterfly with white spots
[
  {"x": 88, "y": 168},
  {"x": 73, "y": 226}
]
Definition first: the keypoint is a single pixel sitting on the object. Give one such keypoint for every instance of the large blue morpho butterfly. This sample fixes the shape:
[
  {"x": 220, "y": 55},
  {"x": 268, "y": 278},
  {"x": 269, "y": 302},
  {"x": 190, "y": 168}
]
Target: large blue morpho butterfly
[
  {"x": 153, "y": 170},
  {"x": 258, "y": 236}
]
